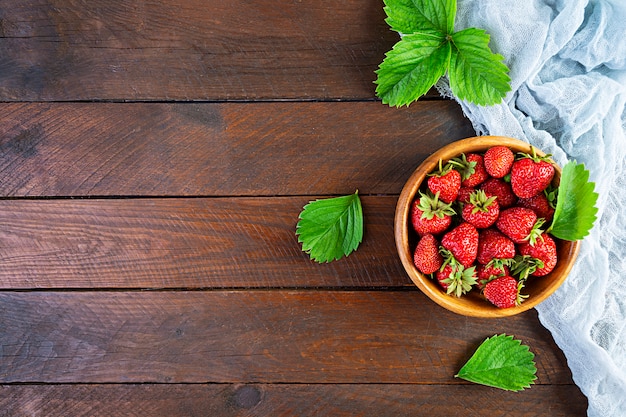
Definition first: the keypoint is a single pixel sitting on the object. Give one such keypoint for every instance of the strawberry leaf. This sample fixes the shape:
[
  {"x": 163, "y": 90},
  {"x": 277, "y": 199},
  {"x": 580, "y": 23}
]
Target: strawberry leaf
[
  {"x": 412, "y": 67},
  {"x": 331, "y": 228},
  {"x": 576, "y": 210},
  {"x": 409, "y": 16},
  {"x": 501, "y": 362},
  {"x": 429, "y": 48},
  {"x": 476, "y": 73}
]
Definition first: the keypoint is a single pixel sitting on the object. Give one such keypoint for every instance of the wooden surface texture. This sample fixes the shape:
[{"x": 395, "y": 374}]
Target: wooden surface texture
[{"x": 154, "y": 158}]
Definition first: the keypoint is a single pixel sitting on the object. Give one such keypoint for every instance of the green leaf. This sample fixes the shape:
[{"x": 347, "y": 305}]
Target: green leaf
[
  {"x": 429, "y": 48},
  {"x": 501, "y": 362},
  {"x": 576, "y": 210},
  {"x": 476, "y": 73},
  {"x": 410, "y": 16},
  {"x": 412, "y": 67},
  {"x": 331, "y": 228}
]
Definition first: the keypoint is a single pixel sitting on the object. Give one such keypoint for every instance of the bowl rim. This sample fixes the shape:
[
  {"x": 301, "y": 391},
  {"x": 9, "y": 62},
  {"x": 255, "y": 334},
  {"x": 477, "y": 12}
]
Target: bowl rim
[{"x": 465, "y": 305}]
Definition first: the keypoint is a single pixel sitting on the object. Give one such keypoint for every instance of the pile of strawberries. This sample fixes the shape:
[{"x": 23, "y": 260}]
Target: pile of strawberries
[{"x": 481, "y": 218}]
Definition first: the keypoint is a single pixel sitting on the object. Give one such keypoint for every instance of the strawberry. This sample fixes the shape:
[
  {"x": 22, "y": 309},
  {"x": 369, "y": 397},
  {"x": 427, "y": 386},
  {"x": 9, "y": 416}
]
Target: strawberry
[
  {"x": 501, "y": 189},
  {"x": 498, "y": 161},
  {"x": 427, "y": 257},
  {"x": 472, "y": 169},
  {"x": 464, "y": 194},
  {"x": 494, "y": 245},
  {"x": 539, "y": 204},
  {"x": 481, "y": 211},
  {"x": 455, "y": 279},
  {"x": 544, "y": 249},
  {"x": 504, "y": 292},
  {"x": 444, "y": 276},
  {"x": 519, "y": 224},
  {"x": 462, "y": 242},
  {"x": 446, "y": 181},
  {"x": 490, "y": 271},
  {"x": 531, "y": 175},
  {"x": 430, "y": 215}
]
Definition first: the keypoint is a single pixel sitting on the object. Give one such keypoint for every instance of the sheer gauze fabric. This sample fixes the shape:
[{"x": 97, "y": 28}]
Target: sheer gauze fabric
[{"x": 567, "y": 62}]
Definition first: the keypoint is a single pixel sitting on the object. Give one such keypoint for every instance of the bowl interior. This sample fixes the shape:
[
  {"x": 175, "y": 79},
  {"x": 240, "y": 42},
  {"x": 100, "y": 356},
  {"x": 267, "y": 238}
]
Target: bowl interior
[{"x": 473, "y": 304}]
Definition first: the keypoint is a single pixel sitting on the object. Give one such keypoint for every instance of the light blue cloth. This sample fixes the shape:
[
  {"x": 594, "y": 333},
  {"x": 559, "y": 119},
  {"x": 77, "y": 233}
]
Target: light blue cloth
[{"x": 567, "y": 62}]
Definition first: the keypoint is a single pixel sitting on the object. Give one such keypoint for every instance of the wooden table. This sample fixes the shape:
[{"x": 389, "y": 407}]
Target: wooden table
[{"x": 154, "y": 159}]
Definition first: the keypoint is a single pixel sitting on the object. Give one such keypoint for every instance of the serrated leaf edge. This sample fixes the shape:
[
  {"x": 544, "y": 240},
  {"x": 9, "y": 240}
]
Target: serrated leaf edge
[
  {"x": 346, "y": 243},
  {"x": 513, "y": 385}
]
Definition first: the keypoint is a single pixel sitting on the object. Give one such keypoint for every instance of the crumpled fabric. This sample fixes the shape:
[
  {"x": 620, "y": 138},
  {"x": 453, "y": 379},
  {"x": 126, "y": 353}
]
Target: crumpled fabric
[{"x": 567, "y": 62}]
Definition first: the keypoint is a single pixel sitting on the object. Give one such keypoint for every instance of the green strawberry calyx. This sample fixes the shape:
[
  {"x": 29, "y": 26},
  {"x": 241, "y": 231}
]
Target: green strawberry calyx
[
  {"x": 442, "y": 171},
  {"x": 534, "y": 156},
  {"x": 524, "y": 265},
  {"x": 466, "y": 168},
  {"x": 480, "y": 201},
  {"x": 461, "y": 279},
  {"x": 431, "y": 206}
]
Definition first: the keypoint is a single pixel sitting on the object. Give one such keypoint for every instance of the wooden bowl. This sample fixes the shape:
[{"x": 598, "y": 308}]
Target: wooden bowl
[{"x": 473, "y": 304}]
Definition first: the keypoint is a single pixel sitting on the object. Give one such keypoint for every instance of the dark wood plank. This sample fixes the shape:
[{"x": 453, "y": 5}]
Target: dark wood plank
[
  {"x": 290, "y": 400},
  {"x": 190, "y": 50},
  {"x": 87, "y": 149},
  {"x": 183, "y": 243},
  {"x": 250, "y": 336}
]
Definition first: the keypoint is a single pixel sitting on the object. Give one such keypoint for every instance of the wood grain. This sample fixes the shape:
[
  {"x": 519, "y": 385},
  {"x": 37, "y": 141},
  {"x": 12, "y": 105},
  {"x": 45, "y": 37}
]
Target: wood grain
[
  {"x": 87, "y": 149},
  {"x": 287, "y": 400},
  {"x": 183, "y": 243},
  {"x": 249, "y": 336},
  {"x": 190, "y": 49}
]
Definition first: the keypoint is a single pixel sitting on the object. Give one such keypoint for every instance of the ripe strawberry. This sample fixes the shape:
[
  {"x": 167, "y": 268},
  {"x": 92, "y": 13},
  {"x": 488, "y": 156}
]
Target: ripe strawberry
[
  {"x": 430, "y": 215},
  {"x": 427, "y": 257},
  {"x": 462, "y": 242},
  {"x": 539, "y": 204},
  {"x": 501, "y": 189},
  {"x": 455, "y": 279},
  {"x": 446, "y": 181},
  {"x": 494, "y": 245},
  {"x": 481, "y": 211},
  {"x": 472, "y": 169},
  {"x": 544, "y": 249},
  {"x": 504, "y": 292},
  {"x": 464, "y": 194},
  {"x": 444, "y": 276},
  {"x": 531, "y": 175},
  {"x": 519, "y": 224},
  {"x": 498, "y": 161},
  {"x": 489, "y": 272}
]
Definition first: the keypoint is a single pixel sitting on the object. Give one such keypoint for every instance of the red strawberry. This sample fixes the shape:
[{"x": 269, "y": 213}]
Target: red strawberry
[
  {"x": 446, "y": 181},
  {"x": 491, "y": 271},
  {"x": 539, "y": 204},
  {"x": 462, "y": 242},
  {"x": 430, "y": 215},
  {"x": 501, "y": 189},
  {"x": 544, "y": 249},
  {"x": 445, "y": 276},
  {"x": 481, "y": 211},
  {"x": 498, "y": 161},
  {"x": 455, "y": 279},
  {"x": 427, "y": 257},
  {"x": 494, "y": 245},
  {"x": 531, "y": 175},
  {"x": 464, "y": 194},
  {"x": 472, "y": 169},
  {"x": 504, "y": 292},
  {"x": 519, "y": 224}
]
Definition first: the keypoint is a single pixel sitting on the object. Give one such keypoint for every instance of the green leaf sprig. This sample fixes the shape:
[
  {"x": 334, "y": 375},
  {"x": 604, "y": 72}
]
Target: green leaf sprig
[
  {"x": 331, "y": 228},
  {"x": 575, "y": 212},
  {"x": 430, "y": 48},
  {"x": 501, "y": 362}
]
